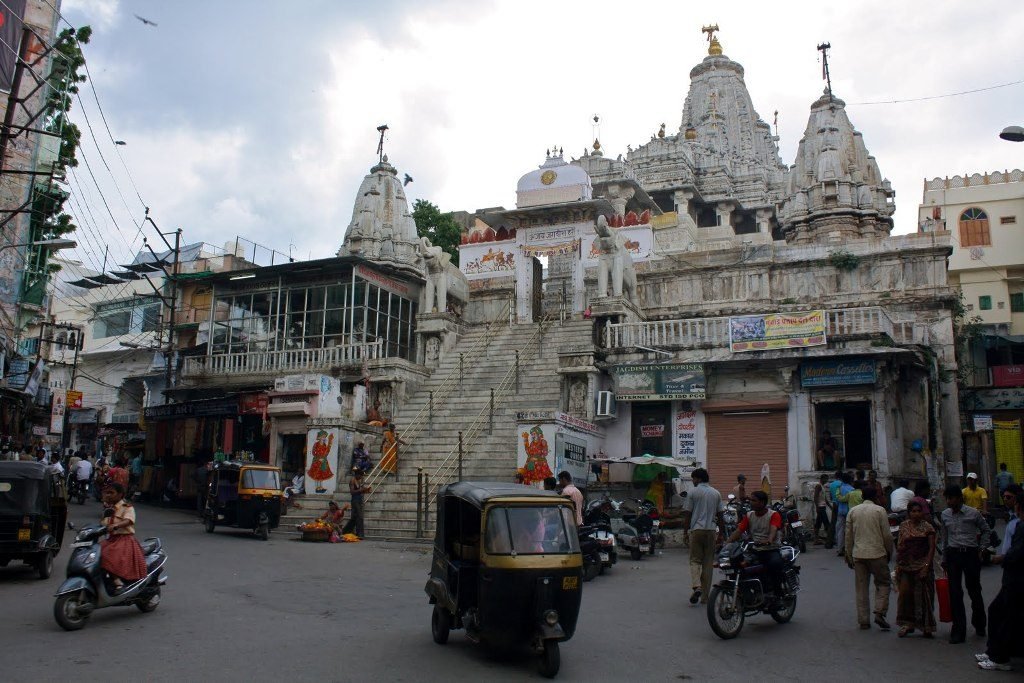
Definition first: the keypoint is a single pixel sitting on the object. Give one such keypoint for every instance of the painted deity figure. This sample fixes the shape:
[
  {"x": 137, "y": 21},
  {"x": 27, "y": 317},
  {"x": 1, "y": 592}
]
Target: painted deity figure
[
  {"x": 614, "y": 263},
  {"x": 320, "y": 469},
  {"x": 536, "y": 468},
  {"x": 436, "y": 261}
]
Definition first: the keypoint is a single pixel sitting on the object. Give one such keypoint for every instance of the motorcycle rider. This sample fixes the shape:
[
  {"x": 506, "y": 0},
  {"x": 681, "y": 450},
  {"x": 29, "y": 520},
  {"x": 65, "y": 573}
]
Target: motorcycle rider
[
  {"x": 764, "y": 525},
  {"x": 82, "y": 473}
]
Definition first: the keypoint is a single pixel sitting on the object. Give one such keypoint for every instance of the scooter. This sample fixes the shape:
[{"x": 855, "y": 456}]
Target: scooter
[
  {"x": 632, "y": 531},
  {"x": 597, "y": 517},
  {"x": 88, "y": 588}
]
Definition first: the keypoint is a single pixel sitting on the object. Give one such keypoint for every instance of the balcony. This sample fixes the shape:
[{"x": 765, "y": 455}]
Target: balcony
[
  {"x": 289, "y": 361},
  {"x": 191, "y": 316},
  {"x": 712, "y": 333}
]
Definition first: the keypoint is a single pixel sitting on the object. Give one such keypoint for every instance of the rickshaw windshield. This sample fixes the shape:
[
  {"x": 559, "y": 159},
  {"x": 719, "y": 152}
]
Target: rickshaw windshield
[
  {"x": 261, "y": 479},
  {"x": 22, "y": 496},
  {"x": 526, "y": 530}
]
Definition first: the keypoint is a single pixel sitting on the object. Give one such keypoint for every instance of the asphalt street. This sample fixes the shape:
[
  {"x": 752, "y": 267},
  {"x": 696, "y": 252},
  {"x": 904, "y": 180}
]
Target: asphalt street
[{"x": 239, "y": 609}]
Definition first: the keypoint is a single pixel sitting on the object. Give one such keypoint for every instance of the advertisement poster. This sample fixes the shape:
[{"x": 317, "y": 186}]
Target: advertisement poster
[
  {"x": 776, "y": 331},
  {"x": 57, "y": 413},
  {"x": 572, "y": 458},
  {"x": 659, "y": 382},
  {"x": 322, "y": 460},
  {"x": 686, "y": 434},
  {"x": 74, "y": 399}
]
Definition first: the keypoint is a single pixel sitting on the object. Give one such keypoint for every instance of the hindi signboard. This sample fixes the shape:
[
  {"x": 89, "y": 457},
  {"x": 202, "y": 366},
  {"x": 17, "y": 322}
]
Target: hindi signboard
[
  {"x": 659, "y": 382},
  {"x": 773, "y": 331}
]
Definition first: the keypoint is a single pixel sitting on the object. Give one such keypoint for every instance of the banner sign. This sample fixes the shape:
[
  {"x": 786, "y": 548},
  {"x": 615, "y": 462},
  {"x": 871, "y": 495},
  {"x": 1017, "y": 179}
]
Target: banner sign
[
  {"x": 776, "y": 331},
  {"x": 686, "y": 433},
  {"x": 74, "y": 399},
  {"x": 387, "y": 283},
  {"x": 552, "y": 249},
  {"x": 218, "y": 407},
  {"x": 837, "y": 372},
  {"x": 659, "y": 382},
  {"x": 982, "y": 423},
  {"x": 57, "y": 413},
  {"x": 1008, "y": 375}
]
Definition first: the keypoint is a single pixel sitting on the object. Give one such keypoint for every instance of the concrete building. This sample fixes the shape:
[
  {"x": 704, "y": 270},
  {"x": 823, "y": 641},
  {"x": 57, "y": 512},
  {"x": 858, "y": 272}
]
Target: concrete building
[{"x": 984, "y": 213}]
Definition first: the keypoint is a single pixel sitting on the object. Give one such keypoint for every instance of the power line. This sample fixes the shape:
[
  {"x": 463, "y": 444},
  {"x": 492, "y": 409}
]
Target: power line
[{"x": 937, "y": 97}]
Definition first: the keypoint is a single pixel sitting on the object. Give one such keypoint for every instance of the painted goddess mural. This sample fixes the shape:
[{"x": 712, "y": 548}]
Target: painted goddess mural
[
  {"x": 320, "y": 469},
  {"x": 536, "y": 467}
]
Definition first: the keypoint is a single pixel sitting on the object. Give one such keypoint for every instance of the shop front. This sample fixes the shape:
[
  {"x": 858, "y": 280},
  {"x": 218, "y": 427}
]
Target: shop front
[
  {"x": 841, "y": 392},
  {"x": 749, "y": 437},
  {"x": 993, "y": 434}
]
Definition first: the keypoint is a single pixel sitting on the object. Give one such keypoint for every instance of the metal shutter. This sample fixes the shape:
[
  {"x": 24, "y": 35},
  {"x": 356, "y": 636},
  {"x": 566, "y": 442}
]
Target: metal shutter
[{"x": 740, "y": 442}]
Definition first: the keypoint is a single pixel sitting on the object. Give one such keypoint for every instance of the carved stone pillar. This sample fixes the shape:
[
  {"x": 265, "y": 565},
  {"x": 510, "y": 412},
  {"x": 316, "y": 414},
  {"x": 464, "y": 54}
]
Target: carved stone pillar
[
  {"x": 682, "y": 199},
  {"x": 764, "y": 221},
  {"x": 725, "y": 210}
]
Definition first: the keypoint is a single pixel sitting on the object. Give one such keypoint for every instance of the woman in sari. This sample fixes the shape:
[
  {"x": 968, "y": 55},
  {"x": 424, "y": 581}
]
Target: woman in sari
[
  {"x": 121, "y": 554},
  {"x": 389, "y": 451},
  {"x": 915, "y": 578}
]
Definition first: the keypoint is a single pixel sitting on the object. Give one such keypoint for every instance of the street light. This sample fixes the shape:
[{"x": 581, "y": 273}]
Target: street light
[
  {"x": 52, "y": 245},
  {"x": 1013, "y": 134}
]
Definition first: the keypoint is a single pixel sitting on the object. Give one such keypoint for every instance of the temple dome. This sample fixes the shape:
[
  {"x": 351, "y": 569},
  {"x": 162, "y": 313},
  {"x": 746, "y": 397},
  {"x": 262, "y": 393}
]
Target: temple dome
[
  {"x": 553, "y": 182},
  {"x": 381, "y": 226}
]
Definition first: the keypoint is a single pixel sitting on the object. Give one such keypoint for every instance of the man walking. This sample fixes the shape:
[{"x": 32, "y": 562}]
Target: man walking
[
  {"x": 1003, "y": 479},
  {"x": 868, "y": 551},
  {"x": 702, "y": 515},
  {"x": 845, "y": 486},
  {"x": 961, "y": 527},
  {"x": 974, "y": 495},
  {"x": 357, "y": 490},
  {"x": 1004, "y": 612},
  {"x": 574, "y": 494},
  {"x": 821, "y": 508}
]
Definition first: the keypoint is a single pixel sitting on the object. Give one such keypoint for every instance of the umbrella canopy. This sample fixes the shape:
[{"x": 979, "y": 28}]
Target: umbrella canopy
[{"x": 650, "y": 467}]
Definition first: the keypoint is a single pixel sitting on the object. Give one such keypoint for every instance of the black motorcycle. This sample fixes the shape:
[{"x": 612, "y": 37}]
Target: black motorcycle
[
  {"x": 88, "y": 588},
  {"x": 746, "y": 589},
  {"x": 78, "y": 489},
  {"x": 591, "y": 551},
  {"x": 597, "y": 516}
]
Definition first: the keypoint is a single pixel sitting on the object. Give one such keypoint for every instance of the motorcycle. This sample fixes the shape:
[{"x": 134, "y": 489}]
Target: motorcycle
[
  {"x": 88, "y": 588},
  {"x": 632, "y": 531},
  {"x": 591, "y": 551},
  {"x": 895, "y": 519},
  {"x": 597, "y": 517},
  {"x": 744, "y": 593},
  {"x": 734, "y": 511},
  {"x": 793, "y": 532},
  {"x": 78, "y": 489}
]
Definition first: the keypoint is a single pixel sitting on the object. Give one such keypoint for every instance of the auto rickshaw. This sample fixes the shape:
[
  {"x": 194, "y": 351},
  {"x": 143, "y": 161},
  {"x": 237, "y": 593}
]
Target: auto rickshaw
[
  {"x": 33, "y": 512},
  {"x": 506, "y": 567},
  {"x": 244, "y": 495}
]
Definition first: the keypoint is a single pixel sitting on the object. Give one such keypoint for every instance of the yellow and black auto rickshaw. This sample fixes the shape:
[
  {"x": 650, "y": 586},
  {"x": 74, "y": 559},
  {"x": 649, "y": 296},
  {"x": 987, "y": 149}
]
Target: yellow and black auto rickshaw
[
  {"x": 33, "y": 511},
  {"x": 507, "y": 568},
  {"x": 244, "y": 495}
]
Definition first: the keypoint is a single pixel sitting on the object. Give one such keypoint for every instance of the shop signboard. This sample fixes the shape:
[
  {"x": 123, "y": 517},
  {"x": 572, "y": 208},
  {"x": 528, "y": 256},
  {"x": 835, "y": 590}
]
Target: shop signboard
[
  {"x": 220, "y": 407},
  {"x": 652, "y": 431},
  {"x": 38, "y": 430},
  {"x": 982, "y": 423},
  {"x": 659, "y": 382},
  {"x": 1008, "y": 375},
  {"x": 994, "y": 399},
  {"x": 74, "y": 399},
  {"x": 571, "y": 457},
  {"x": 57, "y": 413},
  {"x": 18, "y": 373},
  {"x": 835, "y": 372},
  {"x": 774, "y": 331},
  {"x": 686, "y": 433}
]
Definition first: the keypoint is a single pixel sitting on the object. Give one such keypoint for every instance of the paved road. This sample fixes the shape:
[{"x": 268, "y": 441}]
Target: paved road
[{"x": 238, "y": 609}]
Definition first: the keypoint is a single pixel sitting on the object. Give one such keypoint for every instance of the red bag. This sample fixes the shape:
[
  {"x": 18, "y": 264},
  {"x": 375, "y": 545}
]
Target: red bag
[{"x": 942, "y": 593}]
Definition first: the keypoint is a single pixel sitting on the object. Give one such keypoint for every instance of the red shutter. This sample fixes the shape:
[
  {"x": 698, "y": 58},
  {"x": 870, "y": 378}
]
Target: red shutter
[{"x": 740, "y": 442}]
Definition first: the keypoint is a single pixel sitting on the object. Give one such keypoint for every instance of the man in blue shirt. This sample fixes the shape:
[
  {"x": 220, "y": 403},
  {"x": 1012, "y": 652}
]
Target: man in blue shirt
[
  {"x": 845, "y": 486},
  {"x": 833, "y": 489},
  {"x": 1003, "y": 479}
]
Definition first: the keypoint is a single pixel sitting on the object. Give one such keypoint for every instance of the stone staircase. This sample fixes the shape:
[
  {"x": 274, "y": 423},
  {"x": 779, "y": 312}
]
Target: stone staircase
[{"x": 391, "y": 508}]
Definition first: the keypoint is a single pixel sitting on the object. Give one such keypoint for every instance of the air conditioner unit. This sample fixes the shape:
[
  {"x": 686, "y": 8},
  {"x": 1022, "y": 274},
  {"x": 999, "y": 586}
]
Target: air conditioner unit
[{"x": 605, "y": 404}]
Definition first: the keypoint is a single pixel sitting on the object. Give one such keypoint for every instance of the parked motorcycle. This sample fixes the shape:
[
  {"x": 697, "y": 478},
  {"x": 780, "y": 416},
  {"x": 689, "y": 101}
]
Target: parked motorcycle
[
  {"x": 745, "y": 592},
  {"x": 734, "y": 511},
  {"x": 597, "y": 516},
  {"x": 591, "y": 551},
  {"x": 632, "y": 530},
  {"x": 88, "y": 588},
  {"x": 793, "y": 532}
]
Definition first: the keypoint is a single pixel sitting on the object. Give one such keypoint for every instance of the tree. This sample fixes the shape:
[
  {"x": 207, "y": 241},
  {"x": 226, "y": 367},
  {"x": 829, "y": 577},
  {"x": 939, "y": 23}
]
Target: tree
[{"x": 440, "y": 228}]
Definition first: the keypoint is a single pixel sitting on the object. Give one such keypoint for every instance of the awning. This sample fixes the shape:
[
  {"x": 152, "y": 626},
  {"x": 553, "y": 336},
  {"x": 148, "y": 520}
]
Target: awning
[{"x": 79, "y": 416}]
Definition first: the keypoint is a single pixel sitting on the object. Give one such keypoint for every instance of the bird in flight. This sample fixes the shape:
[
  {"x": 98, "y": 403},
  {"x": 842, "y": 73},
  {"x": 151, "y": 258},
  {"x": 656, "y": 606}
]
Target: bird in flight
[
  {"x": 146, "y": 21},
  {"x": 408, "y": 179}
]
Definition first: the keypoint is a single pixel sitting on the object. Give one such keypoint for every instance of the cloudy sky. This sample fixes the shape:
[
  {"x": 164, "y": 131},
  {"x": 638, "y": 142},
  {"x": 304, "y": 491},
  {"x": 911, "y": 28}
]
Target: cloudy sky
[{"x": 258, "y": 118}]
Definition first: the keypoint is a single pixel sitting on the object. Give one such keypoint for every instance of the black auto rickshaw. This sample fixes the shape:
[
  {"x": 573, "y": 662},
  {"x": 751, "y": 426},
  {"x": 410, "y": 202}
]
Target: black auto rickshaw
[
  {"x": 245, "y": 495},
  {"x": 507, "y": 567},
  {"x": 33, "y": 512}
]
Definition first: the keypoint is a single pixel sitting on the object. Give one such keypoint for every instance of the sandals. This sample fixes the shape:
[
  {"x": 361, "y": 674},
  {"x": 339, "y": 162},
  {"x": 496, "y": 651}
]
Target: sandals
[{"x": 904, "y": 630}]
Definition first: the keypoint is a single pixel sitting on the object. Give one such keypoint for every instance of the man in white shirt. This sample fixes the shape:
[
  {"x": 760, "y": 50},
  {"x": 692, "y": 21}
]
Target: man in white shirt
[
  {"x": 574, "y": 494},
  {"x": 56, "y": 467},
  {"x": 900, "y": 496},
  {"x": 83, "y": 470}
]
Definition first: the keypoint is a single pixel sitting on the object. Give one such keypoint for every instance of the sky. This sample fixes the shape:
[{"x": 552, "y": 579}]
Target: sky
[{"x": 258, "y": 119}]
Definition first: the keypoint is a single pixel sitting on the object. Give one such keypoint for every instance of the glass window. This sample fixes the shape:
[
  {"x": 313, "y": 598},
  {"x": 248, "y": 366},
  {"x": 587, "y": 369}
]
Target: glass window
[
  {"x": 114, "y": 324},
  {"x": 335, "y": 322},
  {"x": 531, "y": 530},
  {"x": 1017, "y": 302},
  {"x": 337, "y": 296},
  {"x": 985, "y": 303},
  {"x": 150, "y": 317},
  {"x": 260, "y": 479},
  {"x": 315, "y": 299}
]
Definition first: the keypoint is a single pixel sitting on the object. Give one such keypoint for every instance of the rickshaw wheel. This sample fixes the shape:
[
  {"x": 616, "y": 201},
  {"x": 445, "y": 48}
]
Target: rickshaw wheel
[
  {"x": 209, "y": 524},
  {"x": 440, "y": 625},
  {"x": 550, "y": 660},
  {"x": 263, "y": 531},
  {"x": 65, "y": 611},
  {"x": 44, "y": 565}
]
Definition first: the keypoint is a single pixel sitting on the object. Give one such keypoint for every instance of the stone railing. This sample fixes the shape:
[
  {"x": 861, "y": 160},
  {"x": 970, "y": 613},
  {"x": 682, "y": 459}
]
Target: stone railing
[
  {"x": 285, "y": 361},
  {"x": 705, "y": 333},
  {"x": 957, "y": 181}
]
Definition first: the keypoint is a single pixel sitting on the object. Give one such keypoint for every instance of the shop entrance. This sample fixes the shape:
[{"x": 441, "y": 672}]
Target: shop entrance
[
  {"x": 850, "y": 425},
  {"x": 652, "y": 429},
  {"x": 292, "y": 455}
]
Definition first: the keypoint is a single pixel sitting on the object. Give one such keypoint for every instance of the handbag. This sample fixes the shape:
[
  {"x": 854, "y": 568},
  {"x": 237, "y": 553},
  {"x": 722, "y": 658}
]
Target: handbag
[{"x": 942, "y": 594}]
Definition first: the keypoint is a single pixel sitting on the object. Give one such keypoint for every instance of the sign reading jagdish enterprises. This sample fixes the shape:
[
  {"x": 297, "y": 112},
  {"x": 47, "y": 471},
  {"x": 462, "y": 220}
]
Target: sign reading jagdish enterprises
[
  {"x": 659, "y": 382},
  {"x": 776, "y": 331}
]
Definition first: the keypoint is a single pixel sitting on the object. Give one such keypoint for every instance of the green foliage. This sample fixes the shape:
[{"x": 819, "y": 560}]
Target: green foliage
[
  {"x": 440, "y": 228},
  {"x": 843, "y": 260}
]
